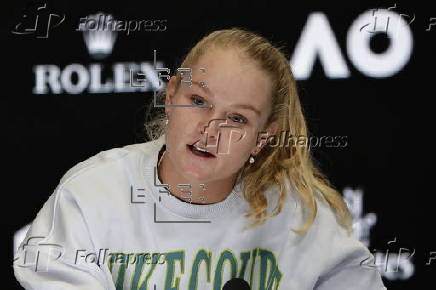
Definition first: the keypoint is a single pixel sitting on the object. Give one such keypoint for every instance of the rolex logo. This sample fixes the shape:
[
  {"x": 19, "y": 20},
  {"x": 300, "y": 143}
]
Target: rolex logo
[{"x": 99, "y": 34}]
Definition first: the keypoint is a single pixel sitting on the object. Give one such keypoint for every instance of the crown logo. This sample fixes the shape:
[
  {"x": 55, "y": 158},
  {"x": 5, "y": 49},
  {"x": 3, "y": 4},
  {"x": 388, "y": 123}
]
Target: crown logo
[{"x": 99, "y": 34}]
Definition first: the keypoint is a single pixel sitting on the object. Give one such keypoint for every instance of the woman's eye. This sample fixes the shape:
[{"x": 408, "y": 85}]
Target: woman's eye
[
  {"x": 195, "y": 99},
  {"x": 235, "y": 118},
  {"x": 239, "y": 119}
]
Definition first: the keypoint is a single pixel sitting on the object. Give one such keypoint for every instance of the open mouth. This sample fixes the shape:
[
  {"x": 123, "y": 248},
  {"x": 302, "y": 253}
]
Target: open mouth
[{"x": 199, "y": 152}]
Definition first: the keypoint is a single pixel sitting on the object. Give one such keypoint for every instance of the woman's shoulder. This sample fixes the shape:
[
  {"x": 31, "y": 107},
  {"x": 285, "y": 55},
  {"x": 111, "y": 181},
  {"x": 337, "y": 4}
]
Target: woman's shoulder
[
  {"x": 347, "y": 260},
  {"x": 105, "y": 161},
  {"x": 343, "y": 247},
  {"x": 328, "y": 227},
  {"x": 106, "y": 177},
  {"x": 325, "y": 233}
]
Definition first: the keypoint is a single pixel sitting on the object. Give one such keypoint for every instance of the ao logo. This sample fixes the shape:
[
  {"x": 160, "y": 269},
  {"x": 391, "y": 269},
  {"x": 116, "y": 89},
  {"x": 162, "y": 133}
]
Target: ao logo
[{"x": 318, "y": 40}]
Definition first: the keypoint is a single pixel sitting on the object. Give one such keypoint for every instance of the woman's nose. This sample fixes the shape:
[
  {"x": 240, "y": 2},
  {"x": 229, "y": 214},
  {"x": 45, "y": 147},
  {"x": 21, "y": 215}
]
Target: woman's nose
[{"x": 212, "y": 128}]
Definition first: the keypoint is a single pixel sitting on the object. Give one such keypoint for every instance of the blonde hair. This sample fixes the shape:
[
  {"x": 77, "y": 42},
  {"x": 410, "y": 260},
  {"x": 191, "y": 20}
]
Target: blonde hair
[{"x": 273, "y": 164}]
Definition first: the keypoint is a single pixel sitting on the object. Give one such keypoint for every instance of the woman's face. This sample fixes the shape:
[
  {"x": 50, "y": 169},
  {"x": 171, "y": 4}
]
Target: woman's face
[{"x": 240, "y": 95}]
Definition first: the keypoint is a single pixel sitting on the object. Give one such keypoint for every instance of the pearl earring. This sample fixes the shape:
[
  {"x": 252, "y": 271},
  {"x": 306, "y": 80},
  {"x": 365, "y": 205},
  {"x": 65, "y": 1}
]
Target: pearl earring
[
  {"x": 251, "y": 159},
  {"x": 166, "y": 121}
]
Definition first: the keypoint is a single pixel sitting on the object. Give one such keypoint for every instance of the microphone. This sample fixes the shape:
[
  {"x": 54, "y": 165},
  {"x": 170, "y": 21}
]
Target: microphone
[{"x": 236, "y": 284}]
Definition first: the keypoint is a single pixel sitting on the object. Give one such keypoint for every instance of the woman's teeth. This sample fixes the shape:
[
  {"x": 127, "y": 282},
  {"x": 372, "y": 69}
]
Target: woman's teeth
[{"x": 200, "y": 151}]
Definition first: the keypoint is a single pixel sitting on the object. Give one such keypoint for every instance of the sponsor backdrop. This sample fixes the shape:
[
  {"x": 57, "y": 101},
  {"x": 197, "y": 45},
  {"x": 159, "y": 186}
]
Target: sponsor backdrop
[{"x": 78, "y": 78}]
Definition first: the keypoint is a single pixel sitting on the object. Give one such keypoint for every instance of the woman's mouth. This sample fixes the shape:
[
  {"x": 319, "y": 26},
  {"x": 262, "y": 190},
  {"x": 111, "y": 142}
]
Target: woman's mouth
[{"x": 198, "y": 152}]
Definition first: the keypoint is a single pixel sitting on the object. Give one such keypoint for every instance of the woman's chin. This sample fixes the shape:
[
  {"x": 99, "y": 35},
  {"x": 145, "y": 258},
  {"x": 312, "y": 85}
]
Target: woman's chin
[{"x": 197, "y": 174}]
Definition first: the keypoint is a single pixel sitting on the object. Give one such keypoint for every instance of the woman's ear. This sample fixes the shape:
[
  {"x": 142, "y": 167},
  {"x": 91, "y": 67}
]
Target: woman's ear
[
  {"x": 271, "y": 130},
  {"x": 170, "y": 93}
]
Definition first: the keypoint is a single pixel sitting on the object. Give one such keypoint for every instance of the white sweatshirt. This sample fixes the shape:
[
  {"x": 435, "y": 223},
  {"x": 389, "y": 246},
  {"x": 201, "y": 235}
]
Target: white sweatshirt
[{"x": 107, "y": 226}]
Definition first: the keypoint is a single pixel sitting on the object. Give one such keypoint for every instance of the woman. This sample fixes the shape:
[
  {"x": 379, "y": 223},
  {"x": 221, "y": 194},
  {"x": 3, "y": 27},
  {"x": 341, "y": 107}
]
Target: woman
[{"x": 209, "y": 203}]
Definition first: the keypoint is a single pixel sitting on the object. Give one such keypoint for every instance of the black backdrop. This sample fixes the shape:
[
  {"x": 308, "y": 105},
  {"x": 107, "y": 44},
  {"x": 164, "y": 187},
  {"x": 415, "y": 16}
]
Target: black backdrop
[{"x": 388, "y": 153}]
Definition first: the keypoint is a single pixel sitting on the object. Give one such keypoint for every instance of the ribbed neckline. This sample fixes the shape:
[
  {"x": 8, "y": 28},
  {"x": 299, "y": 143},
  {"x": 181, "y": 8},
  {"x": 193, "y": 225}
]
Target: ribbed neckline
[{"x": 172, "y": 203}]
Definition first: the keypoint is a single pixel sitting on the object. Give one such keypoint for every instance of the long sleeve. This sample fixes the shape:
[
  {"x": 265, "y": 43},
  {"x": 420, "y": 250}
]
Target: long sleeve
[
  {"x": 356, "y": 271},
  {"x": 51, "y": 255}
]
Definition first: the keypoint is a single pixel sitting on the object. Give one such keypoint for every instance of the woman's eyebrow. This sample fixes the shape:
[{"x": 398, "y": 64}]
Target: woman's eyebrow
[
  {"x": 248, "y": 107},
  {"x": 204, "y": 88},
  {"x": 242, "y": 106}
]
